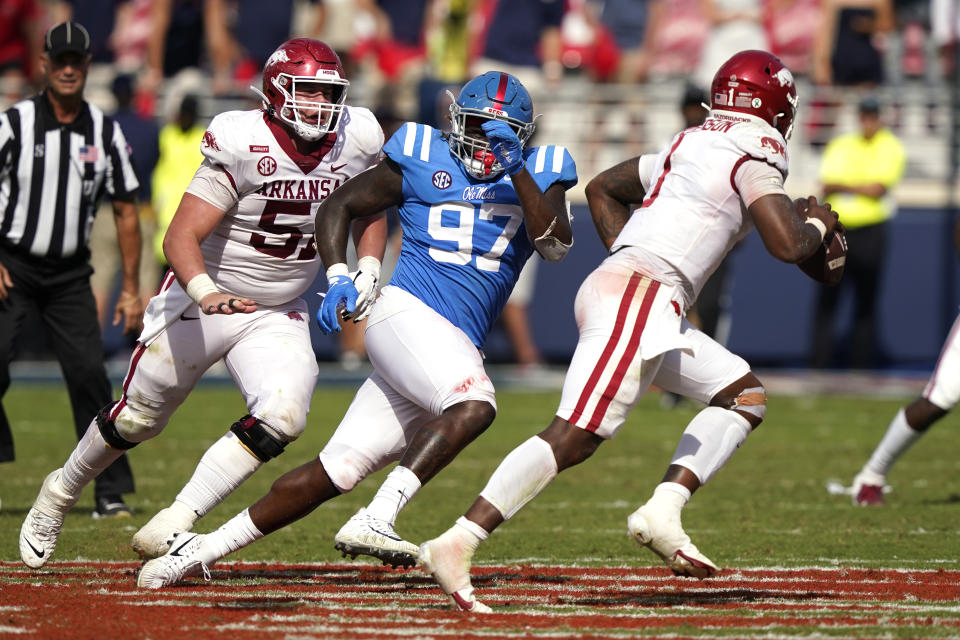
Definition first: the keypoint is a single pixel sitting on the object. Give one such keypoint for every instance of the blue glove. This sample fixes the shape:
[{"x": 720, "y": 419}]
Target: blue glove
[
  {"x": 505, "y": 145},
  {"x": 340, "y": 293}
]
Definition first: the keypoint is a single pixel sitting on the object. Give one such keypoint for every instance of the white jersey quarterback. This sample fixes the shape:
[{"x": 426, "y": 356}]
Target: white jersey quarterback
[{"x": 698, "y": 189}]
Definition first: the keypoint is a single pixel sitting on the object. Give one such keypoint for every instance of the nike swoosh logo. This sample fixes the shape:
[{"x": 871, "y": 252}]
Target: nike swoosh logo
[
  {"x": 176, "y": 552},
  {"x": 387, "y": 535},
  {"x": 184, "y": 316},
  {"x": 30, "y": 544},
  {"x": 334, "y": 168}
]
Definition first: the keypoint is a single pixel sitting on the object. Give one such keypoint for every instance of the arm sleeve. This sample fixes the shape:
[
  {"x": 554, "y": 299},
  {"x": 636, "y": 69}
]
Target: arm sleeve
[
  {"x": 212, "y": 184},
  {"x": 755, "y": 179}
]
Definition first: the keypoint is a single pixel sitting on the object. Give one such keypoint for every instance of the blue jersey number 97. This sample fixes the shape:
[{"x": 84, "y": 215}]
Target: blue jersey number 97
[{"x": 476, "y": 227}]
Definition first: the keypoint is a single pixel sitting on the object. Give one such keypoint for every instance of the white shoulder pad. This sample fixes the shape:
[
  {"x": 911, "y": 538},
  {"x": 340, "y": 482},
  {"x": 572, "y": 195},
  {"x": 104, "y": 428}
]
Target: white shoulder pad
[
  {"x": 761, "y": 142},
  {"x": 220, "y": 142},
  {"x": 363, "y": 129}
]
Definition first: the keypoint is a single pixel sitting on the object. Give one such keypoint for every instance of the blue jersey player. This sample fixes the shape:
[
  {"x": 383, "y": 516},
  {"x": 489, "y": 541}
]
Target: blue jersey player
[{"x": 474, "y": 205}]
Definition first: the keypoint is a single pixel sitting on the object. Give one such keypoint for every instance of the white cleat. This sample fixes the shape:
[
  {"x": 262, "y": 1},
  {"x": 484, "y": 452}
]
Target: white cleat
[
  {"x": 365, "y": 535},
  {"x": 41, "y": 527},
  {"x": 180, "y": 562},
  {"x": 447, "y": 560},
  {"x": 154, "y": 538},
  {"x": 663, "y": 534}
]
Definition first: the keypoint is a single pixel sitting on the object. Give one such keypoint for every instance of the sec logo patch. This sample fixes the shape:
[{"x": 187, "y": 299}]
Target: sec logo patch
[
  {"x": 267, "y": 166},
  {"x": 442, "y": 180}
]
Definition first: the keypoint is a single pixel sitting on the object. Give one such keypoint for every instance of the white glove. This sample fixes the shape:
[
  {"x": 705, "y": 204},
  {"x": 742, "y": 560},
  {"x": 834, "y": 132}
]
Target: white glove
[{"x": 365, "y": 279}]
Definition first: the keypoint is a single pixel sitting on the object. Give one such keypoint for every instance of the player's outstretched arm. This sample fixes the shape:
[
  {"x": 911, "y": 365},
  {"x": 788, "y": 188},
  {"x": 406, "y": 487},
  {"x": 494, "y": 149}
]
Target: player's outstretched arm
[
  {"x": 366, "y": 194},
  {"x": 788, "y": 234},
  {"x": 611, "y": 195}
]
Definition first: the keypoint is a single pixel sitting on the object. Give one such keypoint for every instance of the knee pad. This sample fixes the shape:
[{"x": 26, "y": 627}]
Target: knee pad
[
  {"x": 257, "y": 439},
  {"x": 753, "y": 401},
  {"x": 135, "y": 423},
  {"x": 108, "y": 429},
  {"x": 283, "y": 417}
]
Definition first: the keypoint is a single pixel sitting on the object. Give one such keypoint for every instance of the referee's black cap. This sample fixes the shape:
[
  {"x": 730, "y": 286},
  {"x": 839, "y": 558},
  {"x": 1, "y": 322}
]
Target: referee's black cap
[{"x": 66, "y": 36}]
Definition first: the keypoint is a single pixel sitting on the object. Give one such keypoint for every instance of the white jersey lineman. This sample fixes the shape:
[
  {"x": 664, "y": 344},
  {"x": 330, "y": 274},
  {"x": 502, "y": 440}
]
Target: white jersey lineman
[
  {"x": 262, "y": 249},
  {"x": 631, "y": 310}
]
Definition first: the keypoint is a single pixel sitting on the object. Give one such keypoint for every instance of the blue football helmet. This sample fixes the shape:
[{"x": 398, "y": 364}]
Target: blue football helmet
[{"x": 493, "y": 95}]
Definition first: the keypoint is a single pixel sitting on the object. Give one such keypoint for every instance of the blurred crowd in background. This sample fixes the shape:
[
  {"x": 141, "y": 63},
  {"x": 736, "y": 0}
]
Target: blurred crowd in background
[
  {"x": 400, "y": 53},
  {"x": 612, "y": 78}
]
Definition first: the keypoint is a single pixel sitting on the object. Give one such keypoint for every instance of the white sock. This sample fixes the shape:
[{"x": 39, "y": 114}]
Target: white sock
[
  {"x": 88, "y": 460},
  {"x": 673, "y": 493},
  {"x": 475, "y": 530},
  {"x": 898, "y": 438},
  {"x": 235, "y": 534},
  {"x": 223, "y": 468},
  {"x": 710, "y": 440},
  {"x": 522, "y": 475},
  {"x": 394, "y": 494}
]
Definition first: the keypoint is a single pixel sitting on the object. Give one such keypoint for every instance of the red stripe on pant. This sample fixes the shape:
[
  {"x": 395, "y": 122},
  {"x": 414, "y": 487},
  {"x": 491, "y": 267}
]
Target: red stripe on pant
[
  {"x": 634, "y": 343},
  {"x": 134, "y": 360},
  {"x": 618, "y": 328}
]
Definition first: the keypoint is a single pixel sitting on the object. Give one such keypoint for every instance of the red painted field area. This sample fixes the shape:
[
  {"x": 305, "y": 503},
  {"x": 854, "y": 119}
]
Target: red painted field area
[{"x": 257, "y": 600}]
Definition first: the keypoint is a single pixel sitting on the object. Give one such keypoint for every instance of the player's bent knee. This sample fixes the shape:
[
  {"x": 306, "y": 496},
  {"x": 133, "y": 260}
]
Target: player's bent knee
[
  {"x": 478, "y": 413},
  {"x": 751, "y": 403},
  {"x": 346, "y": 466},
  {"x": 110, "y": 432},
  {"x": 257, "y": 438},
  {"x": 285, "y": 418}
]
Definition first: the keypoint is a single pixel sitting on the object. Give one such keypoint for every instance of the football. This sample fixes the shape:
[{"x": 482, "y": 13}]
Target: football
[{"x": 826, "y": 264}]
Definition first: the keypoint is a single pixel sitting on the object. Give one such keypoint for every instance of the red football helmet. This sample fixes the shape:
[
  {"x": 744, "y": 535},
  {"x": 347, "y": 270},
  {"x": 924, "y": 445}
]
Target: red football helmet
[
  {"x": 756, "y": 82},
  {"x": 292, "y": 77}
]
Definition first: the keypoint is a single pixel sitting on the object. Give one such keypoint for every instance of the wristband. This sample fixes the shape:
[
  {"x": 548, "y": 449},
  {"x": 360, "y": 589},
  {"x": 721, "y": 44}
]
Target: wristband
[
  {"x": 339, "y": 269},
  {"x": 369, "y": 264},
  {"x": 200, "y": 286},
  {"x": 817, "y": 224}
]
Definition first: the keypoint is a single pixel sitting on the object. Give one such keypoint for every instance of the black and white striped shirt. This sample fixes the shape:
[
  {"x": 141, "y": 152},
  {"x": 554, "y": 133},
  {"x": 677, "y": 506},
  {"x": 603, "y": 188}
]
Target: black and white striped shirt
[{"x": 52, "y": 176}]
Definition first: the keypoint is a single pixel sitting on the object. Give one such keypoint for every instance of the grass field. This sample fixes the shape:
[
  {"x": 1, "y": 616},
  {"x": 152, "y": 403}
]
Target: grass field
[{"x": 766, "y": 519}]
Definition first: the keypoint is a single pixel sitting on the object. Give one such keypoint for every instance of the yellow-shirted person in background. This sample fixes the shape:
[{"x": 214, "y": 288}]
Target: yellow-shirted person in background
[
  {"x": 179, "y": 159},
  {"x": 858, "y": 172}
]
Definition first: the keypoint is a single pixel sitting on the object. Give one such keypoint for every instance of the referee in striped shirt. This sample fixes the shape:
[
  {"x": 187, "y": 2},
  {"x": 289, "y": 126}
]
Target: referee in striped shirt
[{"x": 58, "y": 154}]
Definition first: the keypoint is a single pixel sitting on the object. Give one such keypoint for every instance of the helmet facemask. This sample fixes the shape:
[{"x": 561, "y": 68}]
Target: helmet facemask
[
  {"x": 310, "y": 119},
  {"x": 470, "y": 145},
  {"x": 786, "y": 131}
]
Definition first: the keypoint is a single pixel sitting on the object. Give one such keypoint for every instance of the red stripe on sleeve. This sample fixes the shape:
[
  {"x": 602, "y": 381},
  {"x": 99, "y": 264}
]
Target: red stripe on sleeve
[{"x": 232, "y": 181}]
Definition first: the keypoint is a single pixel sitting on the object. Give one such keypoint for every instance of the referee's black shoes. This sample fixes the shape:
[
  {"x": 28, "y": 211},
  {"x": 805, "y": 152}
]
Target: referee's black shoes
[{"x": 111, "y": 507}]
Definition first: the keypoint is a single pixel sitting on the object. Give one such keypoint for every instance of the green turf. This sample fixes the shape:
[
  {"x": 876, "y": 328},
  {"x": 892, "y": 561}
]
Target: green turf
[{"x": 767, "y": 507}]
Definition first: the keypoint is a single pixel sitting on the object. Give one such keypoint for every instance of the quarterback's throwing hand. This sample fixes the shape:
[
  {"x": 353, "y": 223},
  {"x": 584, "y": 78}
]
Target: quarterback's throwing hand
[
  {"x": 341, "y": 295},
  {"x": 505, "y": 145}
]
